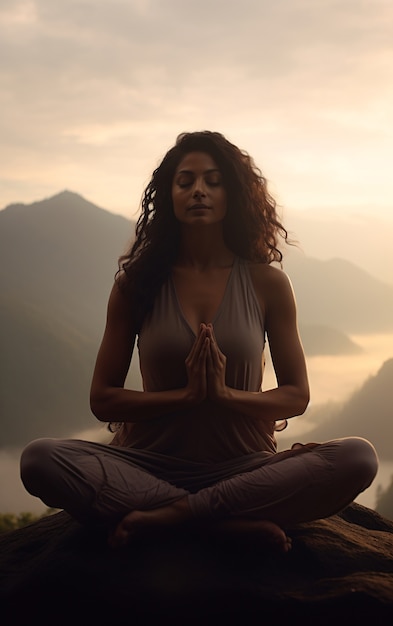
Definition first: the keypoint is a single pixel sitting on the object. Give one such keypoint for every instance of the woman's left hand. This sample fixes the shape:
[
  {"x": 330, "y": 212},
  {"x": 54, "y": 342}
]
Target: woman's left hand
[{"x": 216, "y": 368}]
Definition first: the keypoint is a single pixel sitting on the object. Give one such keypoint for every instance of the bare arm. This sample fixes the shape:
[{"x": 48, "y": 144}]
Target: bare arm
[
  {"x": 110, "y": 401},
  {"x": 291, "y": 396}
]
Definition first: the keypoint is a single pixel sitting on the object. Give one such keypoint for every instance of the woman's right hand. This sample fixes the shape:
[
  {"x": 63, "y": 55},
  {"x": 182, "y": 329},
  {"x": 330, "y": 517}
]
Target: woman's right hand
[{"x": 196, "y": 365}]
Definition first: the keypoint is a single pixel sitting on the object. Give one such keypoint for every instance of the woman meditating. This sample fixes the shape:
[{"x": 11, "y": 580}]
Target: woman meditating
[{"x": 198, "y": 294}]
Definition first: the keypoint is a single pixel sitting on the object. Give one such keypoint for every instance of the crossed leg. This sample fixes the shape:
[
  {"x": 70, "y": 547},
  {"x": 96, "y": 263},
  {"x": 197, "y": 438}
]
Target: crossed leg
[
  {"x": 95, "y": 484},
  {"x": 296, "y": 486}
]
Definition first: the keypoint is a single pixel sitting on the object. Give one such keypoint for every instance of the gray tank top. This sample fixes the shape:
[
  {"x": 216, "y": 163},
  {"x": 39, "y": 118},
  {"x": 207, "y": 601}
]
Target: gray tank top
[{"x": 206, "y": 433}]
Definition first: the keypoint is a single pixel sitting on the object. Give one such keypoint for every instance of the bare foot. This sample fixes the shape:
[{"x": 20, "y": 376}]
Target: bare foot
[
  {"x": 263, "y": 532},
  {"x": 139, "y": 521}
]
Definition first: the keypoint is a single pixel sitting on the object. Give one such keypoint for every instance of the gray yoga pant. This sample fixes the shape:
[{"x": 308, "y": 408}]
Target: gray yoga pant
[{"x": 100, "y": 483}]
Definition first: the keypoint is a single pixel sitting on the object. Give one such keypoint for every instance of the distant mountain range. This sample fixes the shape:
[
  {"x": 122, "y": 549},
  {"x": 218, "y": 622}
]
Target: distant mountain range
[
  {"x": 360, "y": 237},
  {"x": 368, "y": 414},
  {"x": 58, "y": 258},
  {"x": 338, "y": 294}
]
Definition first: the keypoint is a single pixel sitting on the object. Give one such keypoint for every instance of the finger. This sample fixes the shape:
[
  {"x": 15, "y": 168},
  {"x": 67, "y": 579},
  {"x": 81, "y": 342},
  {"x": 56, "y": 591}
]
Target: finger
[
  {"x": 216, "y": 352},
  {"x": 196, "y": 346},
  {"x": 208, "y": 348},
  {"x": 200, "y": 346},
  {"x": 196, "y": 365},
  {"x": 213, "y": 350},
  {"x": 211, "y": 372},
  {"x": 204, "y": 354},
  {"x": 210, "y": 333},
  {"x": 213, "y": 361}
]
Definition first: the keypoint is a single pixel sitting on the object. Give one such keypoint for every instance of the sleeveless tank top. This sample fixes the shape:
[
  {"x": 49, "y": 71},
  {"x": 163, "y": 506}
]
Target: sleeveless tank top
[{"x": 207, "y": 433}]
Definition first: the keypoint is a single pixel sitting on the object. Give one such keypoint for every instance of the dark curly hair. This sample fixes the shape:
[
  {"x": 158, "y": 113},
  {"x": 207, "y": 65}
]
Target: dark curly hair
[{"x": 251, "y": 226}]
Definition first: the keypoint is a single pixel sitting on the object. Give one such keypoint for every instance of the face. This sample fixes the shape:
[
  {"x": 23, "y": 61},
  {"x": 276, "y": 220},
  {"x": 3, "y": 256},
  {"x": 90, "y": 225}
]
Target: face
[{"x": 198, "y": 193}]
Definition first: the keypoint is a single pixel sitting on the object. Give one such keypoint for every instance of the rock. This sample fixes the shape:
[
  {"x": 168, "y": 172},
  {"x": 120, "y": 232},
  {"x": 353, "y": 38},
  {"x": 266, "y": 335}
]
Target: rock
[{"x": 55, "y": 571}]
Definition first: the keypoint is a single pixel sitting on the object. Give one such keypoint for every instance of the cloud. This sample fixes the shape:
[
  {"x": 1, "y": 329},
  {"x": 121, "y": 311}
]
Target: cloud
[{"x": 97, "y": 90}]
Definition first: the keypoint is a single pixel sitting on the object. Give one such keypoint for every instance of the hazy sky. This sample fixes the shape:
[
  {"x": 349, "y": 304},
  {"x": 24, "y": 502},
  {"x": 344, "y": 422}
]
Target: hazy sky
[{"x": 93, "y": 93}]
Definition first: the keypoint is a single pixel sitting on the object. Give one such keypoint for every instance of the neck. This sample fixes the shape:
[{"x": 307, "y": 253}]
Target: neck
[{"x": 204, "y": 248}]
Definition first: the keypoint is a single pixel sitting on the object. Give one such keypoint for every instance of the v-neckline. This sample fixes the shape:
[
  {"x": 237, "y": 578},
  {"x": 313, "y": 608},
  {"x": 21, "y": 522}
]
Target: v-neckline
[{"x": 220, "y": 306}]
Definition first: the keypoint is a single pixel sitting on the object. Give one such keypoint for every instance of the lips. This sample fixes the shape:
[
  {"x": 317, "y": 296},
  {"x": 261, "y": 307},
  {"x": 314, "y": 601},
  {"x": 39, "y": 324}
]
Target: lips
[{"x": 197, "y": 206}]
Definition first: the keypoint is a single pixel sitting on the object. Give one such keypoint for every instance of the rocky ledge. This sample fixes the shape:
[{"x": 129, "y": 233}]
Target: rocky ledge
[{"x": 339, "y": 570}]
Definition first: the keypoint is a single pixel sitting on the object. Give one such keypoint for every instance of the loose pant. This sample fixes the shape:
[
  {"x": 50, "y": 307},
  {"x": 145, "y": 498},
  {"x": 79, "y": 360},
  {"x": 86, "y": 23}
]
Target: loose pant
[{"x": 100, "y": 484}]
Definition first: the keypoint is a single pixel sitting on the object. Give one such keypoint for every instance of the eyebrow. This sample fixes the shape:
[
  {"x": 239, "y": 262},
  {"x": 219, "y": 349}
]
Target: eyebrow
[{"x": 214, "y": 169}]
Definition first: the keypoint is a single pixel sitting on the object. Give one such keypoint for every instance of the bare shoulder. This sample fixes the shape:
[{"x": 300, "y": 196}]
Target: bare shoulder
[
  {"x": 265, "y": 274},
  {"x": 270, "y": 282},
  {"x": 117, "y": 296},
  {"x": 274, "y": 292}
]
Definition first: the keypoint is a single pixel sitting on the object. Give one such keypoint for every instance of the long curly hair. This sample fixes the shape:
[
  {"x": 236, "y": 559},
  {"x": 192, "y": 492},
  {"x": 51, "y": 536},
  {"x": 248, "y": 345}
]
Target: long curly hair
[{"x": 251, "y": 226}]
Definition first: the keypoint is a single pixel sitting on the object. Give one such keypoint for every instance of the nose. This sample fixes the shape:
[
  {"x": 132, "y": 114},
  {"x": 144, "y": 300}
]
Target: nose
[{"x": 198, "y": 189}]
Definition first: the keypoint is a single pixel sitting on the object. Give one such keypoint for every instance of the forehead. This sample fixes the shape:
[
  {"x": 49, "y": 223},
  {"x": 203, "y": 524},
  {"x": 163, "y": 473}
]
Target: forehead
[{"x": 197, "y": 161}]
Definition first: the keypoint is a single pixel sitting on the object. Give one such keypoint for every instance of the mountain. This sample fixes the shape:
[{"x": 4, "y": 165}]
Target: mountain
[
  {"x": 338, "y": 294},
  {"x": 45, "y": 370},
  {"x": 58, "y": 258},
  {"x": 385, "y": 501},
  {"x": 361, "y": 237},
  {"x": 319, "y": 340},
  {"x": 57, "y": 262},
  {"x": 368, "y": 414},
  {"x": 61, "y": 255}
]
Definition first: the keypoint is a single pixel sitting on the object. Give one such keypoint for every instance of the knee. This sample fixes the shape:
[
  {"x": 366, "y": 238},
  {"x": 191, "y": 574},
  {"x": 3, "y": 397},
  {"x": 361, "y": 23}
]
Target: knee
[
  {"x": 361, "y": 459},
  {"x": 35, "y": 463}
]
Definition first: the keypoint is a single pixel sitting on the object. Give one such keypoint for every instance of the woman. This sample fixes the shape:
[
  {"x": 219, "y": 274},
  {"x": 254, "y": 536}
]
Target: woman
[{"x": 198, "y": 292}]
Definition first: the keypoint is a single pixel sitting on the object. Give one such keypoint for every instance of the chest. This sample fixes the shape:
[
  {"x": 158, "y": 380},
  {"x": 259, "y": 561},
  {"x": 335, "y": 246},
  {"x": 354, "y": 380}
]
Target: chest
[
  {"x": 168, "y": 334},
  {"x": 201, "y": 294}
]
